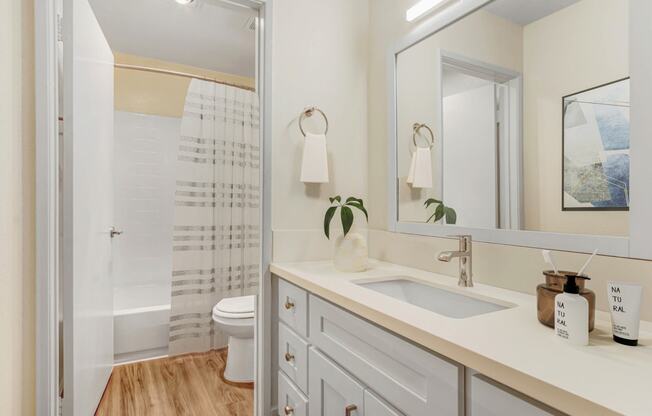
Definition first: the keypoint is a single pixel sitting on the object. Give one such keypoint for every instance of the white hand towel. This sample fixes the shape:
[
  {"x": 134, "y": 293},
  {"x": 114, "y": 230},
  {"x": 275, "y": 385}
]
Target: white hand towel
[
  {"x": 422, "y": 168},
  {"x": 314, "y": 165},
  {"x": 413, "y": 161}
]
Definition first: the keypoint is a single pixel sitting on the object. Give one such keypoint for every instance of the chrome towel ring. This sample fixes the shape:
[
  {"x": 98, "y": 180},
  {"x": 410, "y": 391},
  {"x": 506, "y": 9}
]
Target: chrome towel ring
[
  {"x": 416, "y": 127},
  {"x": 309, "y": 112}
]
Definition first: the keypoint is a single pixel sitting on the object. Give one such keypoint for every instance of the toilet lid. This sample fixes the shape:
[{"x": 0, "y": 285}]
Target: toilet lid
[{"x": 236, "y": 307}]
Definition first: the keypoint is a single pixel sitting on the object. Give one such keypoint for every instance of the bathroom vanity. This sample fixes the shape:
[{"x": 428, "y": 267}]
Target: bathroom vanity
[
  {"x": 366, "y": 344},
  {"x": 510, "y": 125}
]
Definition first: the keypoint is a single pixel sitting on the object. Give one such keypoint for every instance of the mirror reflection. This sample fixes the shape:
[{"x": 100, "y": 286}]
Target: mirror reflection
[{"x": 517, "y": 117}]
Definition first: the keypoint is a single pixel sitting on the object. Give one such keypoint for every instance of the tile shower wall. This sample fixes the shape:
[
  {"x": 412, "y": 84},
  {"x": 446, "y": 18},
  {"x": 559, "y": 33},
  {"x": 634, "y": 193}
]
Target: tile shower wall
[{"x": 145, "y": 158}]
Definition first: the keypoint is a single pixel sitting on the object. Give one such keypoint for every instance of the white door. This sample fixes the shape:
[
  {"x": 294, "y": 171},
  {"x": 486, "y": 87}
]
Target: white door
[
  {"x": 87, "y": 210},
  {"x": 470, "y": 156},
  {"x": 332, "y": 391}
]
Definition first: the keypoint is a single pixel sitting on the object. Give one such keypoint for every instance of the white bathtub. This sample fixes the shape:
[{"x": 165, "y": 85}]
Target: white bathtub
[{"x": 141, "y": 320}]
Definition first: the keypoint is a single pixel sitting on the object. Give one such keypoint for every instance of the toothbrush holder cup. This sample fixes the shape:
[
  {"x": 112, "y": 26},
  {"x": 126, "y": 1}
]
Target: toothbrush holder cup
[{"x": 553, "y": 286}]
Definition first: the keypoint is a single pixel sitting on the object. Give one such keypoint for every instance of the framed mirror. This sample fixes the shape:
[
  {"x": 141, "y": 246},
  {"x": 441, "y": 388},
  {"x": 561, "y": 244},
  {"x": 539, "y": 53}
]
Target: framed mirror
[{"x": 535, "y": 130}]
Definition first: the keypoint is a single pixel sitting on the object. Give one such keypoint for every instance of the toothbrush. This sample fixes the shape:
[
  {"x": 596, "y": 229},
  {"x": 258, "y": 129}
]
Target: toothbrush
[
  {"x": 581, "y": 272},
  {"x": 547, "y": 257}
]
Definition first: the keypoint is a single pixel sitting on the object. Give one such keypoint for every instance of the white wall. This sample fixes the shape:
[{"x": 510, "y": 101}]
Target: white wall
[
  {"x": 17, "y": 306},
  {"x": 145, "y": 162},
  {"x": 319, "y": 58}
]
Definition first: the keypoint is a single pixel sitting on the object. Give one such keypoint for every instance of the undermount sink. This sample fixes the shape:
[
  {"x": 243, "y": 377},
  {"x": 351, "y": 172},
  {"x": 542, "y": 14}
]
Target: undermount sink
[{"x": 441, "y": 301}]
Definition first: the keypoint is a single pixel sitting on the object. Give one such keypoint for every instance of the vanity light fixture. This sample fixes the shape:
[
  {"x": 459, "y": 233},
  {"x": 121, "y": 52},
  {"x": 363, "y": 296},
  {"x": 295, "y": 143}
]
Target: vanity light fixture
[
  {"x": 421, "y": 8},
  {"x": 185, "y": 2}
]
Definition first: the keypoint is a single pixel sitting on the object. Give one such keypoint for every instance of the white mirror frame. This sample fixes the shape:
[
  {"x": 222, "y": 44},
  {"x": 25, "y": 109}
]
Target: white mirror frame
[{"x": 639, "y": 242}]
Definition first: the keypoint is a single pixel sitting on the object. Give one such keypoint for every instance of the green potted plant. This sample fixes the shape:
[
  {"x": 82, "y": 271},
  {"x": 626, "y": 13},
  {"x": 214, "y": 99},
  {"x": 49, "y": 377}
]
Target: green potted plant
[
  {"x": 441, "y": 211},
  {"x": 351, "y": 251}
]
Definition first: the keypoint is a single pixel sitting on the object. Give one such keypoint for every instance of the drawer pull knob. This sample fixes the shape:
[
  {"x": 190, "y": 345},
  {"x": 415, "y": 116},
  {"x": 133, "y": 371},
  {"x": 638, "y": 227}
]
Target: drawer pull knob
[
  {"x": 288, "y": 410},
  {"x": 289, "y": 305},
  {"x": 350, "y": 409},
  {"x": 289, "y": 357}
]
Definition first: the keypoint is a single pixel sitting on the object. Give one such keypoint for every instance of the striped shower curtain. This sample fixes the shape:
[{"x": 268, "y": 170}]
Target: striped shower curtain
[{"x": 216, "y": 239}]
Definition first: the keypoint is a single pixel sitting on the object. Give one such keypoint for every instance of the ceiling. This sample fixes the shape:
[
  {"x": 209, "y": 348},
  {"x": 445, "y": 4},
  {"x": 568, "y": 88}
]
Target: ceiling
[
  {"x": 208, "y": 34},
  {"x": 524, "y": 12},
  {"x": 455, "y": 82}
]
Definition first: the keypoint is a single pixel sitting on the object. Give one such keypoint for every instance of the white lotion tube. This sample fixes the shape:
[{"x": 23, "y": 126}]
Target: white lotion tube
[{"x": 625, "y": 307}]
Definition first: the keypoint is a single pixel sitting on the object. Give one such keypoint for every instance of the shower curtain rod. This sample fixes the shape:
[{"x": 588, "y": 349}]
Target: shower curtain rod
[{"x": 179, "y": 74}]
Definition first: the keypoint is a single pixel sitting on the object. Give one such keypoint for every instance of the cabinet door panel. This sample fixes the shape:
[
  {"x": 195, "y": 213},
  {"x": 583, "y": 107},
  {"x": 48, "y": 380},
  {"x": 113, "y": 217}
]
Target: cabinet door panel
[
  {"x": 290, "y": 400},
  {"x": 332, "y": 390},
  {"x": 414, "y": 381},
  {"x": 293, "y": 307},
  {"x": 489, "y": 398},
  {"x": 373, "y": 406},
  {"x": 293, "y": 356}
]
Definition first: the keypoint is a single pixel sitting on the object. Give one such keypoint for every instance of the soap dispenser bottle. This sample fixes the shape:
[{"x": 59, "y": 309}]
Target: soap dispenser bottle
[{"x": 572, "y": 313}]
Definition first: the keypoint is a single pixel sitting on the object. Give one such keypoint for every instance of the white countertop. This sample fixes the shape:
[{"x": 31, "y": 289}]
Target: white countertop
[{"x": 510, "y": 346}]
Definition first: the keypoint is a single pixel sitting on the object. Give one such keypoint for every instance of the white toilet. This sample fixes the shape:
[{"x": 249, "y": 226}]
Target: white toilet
[{"x": 235, "y": 316}]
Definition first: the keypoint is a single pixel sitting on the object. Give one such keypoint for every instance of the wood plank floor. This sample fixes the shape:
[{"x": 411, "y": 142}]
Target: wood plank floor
[{"x": 184, "y": 385}]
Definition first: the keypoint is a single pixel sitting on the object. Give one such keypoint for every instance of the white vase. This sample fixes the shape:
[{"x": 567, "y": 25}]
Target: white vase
[{"x": 351, "y": 253}]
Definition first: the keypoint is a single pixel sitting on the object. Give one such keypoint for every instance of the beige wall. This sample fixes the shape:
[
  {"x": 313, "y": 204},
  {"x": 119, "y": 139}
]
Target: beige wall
[
  {"x": 579, "y": 47},
  {"x": 17, "y": 307},
  {"x": 159, "y": 94},
  {"x": 386, "y": 26},
  {"x": 319, "y": 58},
  {"x": 515, "y": 268}
]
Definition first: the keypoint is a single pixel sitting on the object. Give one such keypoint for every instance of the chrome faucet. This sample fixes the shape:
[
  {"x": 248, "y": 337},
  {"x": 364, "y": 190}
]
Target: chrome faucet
[{"x": 465, "y": 256}]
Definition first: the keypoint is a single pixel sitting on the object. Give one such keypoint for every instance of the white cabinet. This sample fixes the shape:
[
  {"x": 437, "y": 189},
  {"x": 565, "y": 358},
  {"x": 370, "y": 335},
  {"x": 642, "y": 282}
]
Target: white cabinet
[
  {"x": 374, "y": 406},
  {"x": 486, "y": 397},
  {"x": 293, "y": 356},
  {"x": 413, "y": 380},
  {"x": 333, "y": 363},
  {"x": 332, "y": 391},
  {"x": 293, "y": 307},
  {"x": 291, "y": 402}
]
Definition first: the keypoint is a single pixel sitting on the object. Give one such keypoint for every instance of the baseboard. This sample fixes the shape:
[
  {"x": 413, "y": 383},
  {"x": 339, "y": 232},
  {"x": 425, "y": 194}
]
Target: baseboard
[{"x": 131, "y": 357}]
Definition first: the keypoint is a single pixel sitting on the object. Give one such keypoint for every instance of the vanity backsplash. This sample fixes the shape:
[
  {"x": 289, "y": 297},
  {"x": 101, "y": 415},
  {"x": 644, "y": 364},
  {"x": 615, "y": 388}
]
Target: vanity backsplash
[{"x": 511, "y": 267}]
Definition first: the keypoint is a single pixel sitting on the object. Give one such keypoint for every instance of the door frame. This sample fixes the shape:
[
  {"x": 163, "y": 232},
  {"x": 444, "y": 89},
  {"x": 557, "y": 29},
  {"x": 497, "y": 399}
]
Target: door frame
[
  {"x": 510, "y": 119},
  {"x": 46, "y": 35}
]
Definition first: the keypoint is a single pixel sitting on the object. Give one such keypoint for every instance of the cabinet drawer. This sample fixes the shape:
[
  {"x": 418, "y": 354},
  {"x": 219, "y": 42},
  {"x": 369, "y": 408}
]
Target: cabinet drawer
[
  {"x": 416, "y": 382},
  {"x": 293, "y": 307},
  {"x": 293, "y": 356},
  {"x": 333, "y": 390},
  {"x": 487, "y": 397},
  {"x": 290, "y": 400},
  {"x": 377, "y": 407}
]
